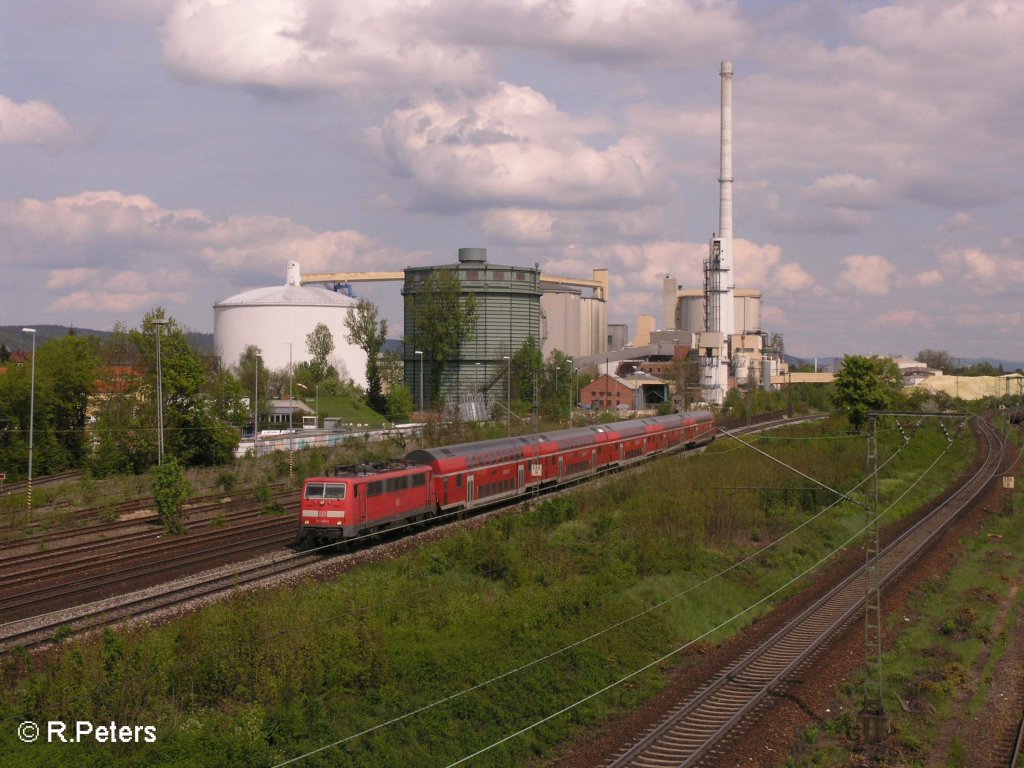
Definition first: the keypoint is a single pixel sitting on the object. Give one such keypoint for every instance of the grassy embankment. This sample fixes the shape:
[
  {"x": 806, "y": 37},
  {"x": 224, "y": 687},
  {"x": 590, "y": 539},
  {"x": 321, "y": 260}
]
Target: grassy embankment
[
  {"x": 950, "y": 625},
  {"x": 272, "y": 675}
]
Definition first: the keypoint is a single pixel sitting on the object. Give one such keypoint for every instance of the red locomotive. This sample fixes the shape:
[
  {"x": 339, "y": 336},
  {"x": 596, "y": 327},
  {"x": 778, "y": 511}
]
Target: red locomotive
[{"x": 365, "y": 498}]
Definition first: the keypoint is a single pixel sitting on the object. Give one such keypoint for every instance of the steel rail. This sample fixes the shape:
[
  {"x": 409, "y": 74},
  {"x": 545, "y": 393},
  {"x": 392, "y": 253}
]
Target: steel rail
[
  {"x": 134, "y": 605},
  {"x": 692, "y": 731}
]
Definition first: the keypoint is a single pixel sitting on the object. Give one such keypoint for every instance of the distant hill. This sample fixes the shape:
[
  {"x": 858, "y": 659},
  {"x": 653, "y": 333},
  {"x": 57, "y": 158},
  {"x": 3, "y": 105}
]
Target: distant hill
[
  {"x": 832, "y": 363},
  {"x": 14, "y": 338}
]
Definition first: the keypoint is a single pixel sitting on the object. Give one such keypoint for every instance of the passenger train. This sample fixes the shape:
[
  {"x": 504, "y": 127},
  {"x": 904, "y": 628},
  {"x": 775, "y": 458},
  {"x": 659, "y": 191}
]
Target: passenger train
[{"x": 365, "y": 498}]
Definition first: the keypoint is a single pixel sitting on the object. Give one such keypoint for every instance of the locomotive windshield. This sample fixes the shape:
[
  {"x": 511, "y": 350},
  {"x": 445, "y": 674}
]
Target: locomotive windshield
[{"x": 325, "y": 490}]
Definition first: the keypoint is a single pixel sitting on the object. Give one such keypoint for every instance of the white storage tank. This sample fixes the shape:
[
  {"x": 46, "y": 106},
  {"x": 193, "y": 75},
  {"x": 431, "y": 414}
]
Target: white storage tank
[
  {"x": 276, "y": 317},
  {"x": 747, "y": 310}
]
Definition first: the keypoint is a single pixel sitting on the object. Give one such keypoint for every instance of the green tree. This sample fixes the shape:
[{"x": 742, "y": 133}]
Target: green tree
[
  {"x": 936, "y": 358},
  {"x": 866, "y": 384},
  {"x": 197, "y": 426},
  {"x": 368, "y": 331},
  {"x": 320, "y": 344},
  {"x": 65, "y": 377},
  {"x": 400, "y": 403},
  {"x": 68, "y": 366},
  {"x": 443, "y": 318},
  {"x": 170, "y": 490},
  {"x": 123, "y": 440},
  {"x": 527, "y": 371},
  {"x": 252, "y": 373},
  {"x": 556, "y": 387}
]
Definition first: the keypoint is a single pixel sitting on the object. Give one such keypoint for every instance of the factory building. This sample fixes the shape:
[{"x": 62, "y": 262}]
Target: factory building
[
  {"x": 508, "y": 312},
  {"x": 514, "y": 303},
  {"x": 277, "y": 320},
  {"x": 571, "y": 322}
]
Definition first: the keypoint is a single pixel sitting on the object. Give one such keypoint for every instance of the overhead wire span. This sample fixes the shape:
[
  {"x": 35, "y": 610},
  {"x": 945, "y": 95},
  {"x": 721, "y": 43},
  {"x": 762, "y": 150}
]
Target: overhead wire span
[
  {"x": 700, "y": 637},
  {"x": 804, "y": 475},
  {"x": 599, "y": 633}
]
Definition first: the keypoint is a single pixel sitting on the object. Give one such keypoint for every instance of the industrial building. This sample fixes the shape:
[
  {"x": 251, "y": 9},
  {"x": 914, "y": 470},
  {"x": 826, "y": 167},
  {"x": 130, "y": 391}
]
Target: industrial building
[
  {"x": 571, "y": 322},
  {"x": 508, "y": 312},
  {"x": 565, "y": 313},
  {"x": 637, "y": 391},
  {"x": 278, "y": 319}
]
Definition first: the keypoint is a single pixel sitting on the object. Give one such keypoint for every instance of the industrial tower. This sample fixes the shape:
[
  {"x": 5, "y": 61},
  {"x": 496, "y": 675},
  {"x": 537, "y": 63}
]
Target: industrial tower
[{"x": 719, "y": 281}]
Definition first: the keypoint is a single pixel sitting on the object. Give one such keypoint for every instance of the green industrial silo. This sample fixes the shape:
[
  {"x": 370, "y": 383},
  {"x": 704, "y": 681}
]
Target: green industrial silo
[{"x": 508, "y": 311}]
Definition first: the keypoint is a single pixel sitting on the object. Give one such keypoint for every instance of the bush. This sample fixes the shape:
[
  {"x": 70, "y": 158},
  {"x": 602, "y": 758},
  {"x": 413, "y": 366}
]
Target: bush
[
  {"x": 227, "y": 481},
  {"x": 170, "y": 490},
  {"x": 262, "y": 491}
]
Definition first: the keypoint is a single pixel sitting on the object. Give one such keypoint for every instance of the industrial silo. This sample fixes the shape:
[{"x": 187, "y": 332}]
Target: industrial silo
[
  {"x": 278, "y": 319},
  {"x": 508, "y": 312}
]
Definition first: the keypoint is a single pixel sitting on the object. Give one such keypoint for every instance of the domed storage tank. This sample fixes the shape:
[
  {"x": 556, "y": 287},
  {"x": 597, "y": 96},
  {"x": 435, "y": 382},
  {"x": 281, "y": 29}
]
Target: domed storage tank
[{"x": 272, "y": 318}]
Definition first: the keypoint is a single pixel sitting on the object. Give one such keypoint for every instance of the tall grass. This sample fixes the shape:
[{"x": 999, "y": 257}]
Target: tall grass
[{"x": 274, "y": 674}]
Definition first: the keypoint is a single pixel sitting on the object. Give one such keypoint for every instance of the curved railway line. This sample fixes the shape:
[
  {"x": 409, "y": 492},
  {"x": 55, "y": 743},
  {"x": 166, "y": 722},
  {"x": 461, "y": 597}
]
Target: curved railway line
[
  {"x": 696, "y": 729},
  {"x": 24, "y": 623}
]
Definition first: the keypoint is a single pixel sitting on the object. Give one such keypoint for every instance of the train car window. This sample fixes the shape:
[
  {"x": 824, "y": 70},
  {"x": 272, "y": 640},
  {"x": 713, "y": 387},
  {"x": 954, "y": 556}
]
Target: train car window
[
  {"x": 458, "y": 481},
  {"x": 375, "y": 488},
  {"x": 334, "y": 491},
  {"x": 314, "y": 490},
  {"x": 419, "y": 480}
]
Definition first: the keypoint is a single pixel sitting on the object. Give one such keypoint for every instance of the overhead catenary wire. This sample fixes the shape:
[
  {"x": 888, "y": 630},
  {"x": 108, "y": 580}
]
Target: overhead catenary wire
[
  {"x": 702, "y": 636},
  {"x": 594, "y": 635}
]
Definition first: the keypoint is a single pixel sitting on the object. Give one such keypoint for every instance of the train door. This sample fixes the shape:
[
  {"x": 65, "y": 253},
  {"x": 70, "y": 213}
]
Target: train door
[
  {"x": 561, "y": 468},
  {"x": 644, "y": 447},
  {"x": 361, "y": 503},
  {"x": 469, "y": 492},
  {"x": 522, "y": 478},
  {"x": 593, "y": 460}
]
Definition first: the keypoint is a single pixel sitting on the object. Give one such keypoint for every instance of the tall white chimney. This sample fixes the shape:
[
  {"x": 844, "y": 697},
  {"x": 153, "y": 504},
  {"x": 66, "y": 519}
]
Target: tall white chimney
[
  {"x": 727, "y": 322},
  {"x": 719, "y": 283}
]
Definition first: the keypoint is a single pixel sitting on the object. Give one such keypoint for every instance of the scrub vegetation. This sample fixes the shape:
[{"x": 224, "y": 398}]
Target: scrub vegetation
[
  {"x": 432, "y": 656},
  {"x": 947, "y": 643}
]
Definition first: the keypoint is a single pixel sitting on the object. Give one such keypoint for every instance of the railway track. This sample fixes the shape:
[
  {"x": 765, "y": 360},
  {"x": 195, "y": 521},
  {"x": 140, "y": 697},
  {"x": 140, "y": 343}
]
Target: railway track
[
  {"x": 29, "y": 634},
  {"x": 159, "y": 560},
  {"x": 54, "y": 558},
  {"x": 20, "y": 628},
  {"x": 692, "y": 731}
]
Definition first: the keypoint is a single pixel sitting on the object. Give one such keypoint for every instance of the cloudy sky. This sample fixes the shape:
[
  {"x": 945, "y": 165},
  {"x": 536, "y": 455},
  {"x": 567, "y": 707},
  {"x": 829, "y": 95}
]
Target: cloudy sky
[{"x": 176, "y": 152}]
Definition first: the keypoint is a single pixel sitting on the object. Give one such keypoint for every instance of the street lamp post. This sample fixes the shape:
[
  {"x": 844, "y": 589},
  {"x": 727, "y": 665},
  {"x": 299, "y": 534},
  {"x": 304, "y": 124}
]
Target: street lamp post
[
  {"x": 508, "y": 395},
  {"x": 256, "y": 410},
  {"x": 31, "y": 415},
  {"x": 291, "y": 401},
  {"x": 159, "y": 322},
  {"x": 420, "y": 353},
  {"x": 316, "y": 416}
]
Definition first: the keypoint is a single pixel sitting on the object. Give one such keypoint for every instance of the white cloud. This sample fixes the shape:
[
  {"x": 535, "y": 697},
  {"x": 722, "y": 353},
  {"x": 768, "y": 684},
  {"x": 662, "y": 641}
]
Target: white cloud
[
  {"x": 927, "y": 279},
  {"x": 32, "y": 122},
  {"x": 792, "y": 277},
  {"x": 845, "y": 190},
  {"x": 517, "y": 226},
  {"x": 303, "y": 45},
  {"x": 410, "y": 45},
  {"x": 902, "y": 318},
  {"x": 866, "y": 274},
  {"x": 513, "y": 147},
  {"x": 128, "y": 252},
  {"x": 671, "y": 33},
  {"x": 60, "y": 279},
  {"x": 979, "y": 264}
]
